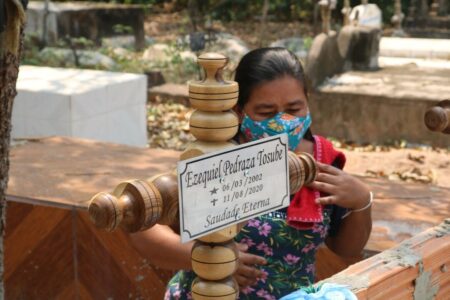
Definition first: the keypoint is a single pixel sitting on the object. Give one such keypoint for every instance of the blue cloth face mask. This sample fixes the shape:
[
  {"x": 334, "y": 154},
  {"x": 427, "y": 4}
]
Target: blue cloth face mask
[{"x": 295, "y": 127}]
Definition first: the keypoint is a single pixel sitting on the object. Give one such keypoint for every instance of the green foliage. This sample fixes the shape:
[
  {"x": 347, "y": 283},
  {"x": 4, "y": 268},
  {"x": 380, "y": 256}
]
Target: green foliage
[
  {"x": 175, "y": 67},
  {"x": 240, "y": 10},
  {"x": 122, "y": 29},
  {"x": 143, "y": 2}
]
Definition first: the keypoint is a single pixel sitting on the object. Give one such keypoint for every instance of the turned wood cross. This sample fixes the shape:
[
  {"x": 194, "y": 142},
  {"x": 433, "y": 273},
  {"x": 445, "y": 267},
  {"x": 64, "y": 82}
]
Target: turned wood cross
[{"x": 136, "y": 205}]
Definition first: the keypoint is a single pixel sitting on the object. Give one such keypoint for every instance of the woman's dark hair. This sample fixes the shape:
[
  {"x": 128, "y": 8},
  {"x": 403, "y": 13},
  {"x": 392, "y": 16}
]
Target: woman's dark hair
[{"x": 266, "y": 64}]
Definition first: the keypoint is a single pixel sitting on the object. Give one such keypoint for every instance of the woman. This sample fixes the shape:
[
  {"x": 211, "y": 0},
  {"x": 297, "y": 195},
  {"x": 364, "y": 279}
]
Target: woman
[{"x": 277, "y": 250}]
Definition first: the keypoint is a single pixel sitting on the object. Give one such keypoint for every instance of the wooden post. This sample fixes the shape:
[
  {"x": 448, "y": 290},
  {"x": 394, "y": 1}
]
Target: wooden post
[
  {"x": 213, "y": 123},
  {"x": 136, "y": 205}
]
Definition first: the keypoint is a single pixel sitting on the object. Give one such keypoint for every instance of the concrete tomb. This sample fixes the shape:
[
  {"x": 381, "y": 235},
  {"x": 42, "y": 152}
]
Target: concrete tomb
[{"x": 97, "y": 105}]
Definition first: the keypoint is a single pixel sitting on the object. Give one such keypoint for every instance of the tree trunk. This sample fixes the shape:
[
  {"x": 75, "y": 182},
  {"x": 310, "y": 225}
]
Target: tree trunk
[{"x": 11, "y": 36}]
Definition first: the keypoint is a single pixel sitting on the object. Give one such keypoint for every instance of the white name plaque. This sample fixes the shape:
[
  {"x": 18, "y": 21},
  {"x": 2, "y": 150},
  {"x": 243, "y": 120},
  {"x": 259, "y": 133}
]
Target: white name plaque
[{"x": 222, "y": 188}]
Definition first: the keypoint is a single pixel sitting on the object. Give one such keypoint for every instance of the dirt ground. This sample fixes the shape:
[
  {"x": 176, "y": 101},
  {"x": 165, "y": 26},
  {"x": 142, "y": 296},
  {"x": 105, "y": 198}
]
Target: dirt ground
[{"x": 427, "y": 166}]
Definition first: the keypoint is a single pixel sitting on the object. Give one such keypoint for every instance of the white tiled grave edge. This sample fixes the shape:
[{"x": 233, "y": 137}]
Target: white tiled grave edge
[{"x": 103, "y": 106}]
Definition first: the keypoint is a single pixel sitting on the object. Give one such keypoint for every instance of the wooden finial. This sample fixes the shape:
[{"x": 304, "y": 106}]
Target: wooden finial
[
  {"x": 133, "y": 205},
  {"x": 437, "y": 118},
  {"x": 213, "y": 63},
  {"x": 167, "y": 185},
  {"x": 302, "y": 170},
  {"x": 213, "y": 93},
  {"x": 214, "y": 126},
  {"x": 226, "y": 289},
  {"x": 214, "y": 261}
]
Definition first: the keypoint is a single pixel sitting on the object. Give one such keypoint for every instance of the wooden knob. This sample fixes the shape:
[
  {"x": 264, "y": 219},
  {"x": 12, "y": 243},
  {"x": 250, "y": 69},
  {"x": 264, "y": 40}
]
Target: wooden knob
[
  {"x": 214, "y": 126},
  {"x": 311, "y": 169},
  {"x": 296, "y": 173},
  {"x": 213, "y": 63},
  {"x": 214, "y": 101},
  {"x": 437, "y": 118},
  {"x": 133, "y": 205},
  {"x": 214, "y": 261},
  {"x": 226, "y": 289},
  {"x": 167, "y": 185},
  {"x": 213, "y": 93},
  {"x": 302, "y": 170}
]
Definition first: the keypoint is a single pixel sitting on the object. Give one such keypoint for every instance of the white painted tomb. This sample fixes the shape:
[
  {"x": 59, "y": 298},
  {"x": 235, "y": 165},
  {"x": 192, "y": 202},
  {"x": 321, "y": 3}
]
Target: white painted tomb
[{"x": 98, "y": 105}]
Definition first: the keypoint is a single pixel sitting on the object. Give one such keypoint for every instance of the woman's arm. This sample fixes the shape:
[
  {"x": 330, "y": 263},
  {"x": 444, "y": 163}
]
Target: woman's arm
[
  {"x": 353, "y": 234},
  {"x": 163, "y": 248},
  {"x": 348, "y": 192}
]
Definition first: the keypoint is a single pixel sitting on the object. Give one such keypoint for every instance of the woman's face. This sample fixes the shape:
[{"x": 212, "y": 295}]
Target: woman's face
[{"x": 284, "y": 94}]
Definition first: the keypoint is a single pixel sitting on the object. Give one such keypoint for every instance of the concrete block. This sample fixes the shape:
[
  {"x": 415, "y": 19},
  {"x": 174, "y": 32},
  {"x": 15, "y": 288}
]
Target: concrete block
[
  {"x": 415, "y": 48},
  {"x": 98, "y": 105}
]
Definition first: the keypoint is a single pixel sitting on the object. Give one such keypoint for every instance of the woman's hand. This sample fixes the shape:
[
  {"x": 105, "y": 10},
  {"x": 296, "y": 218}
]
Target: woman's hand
[
  {"x": 343, "y": 189},
  {"x": 247, "y": 273}
]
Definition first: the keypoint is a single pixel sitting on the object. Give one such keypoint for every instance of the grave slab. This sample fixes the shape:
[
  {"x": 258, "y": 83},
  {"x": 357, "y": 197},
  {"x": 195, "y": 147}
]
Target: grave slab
[
  {"x": 381, "y": 106},
  {"x": 97, "y": 105},
  {"x": 415, "y": 48}
]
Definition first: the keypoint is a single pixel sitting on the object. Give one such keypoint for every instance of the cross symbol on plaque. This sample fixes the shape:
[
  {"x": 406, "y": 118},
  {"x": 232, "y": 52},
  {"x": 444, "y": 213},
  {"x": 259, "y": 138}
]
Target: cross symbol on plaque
[{"x": 213, "y": 201}]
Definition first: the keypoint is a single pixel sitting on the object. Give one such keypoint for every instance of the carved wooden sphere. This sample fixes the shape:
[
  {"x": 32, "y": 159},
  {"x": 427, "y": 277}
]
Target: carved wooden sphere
[
  {"x": 310, "y": 166},
  {"x": 167, "y": 185},
  {"x": 213, "y": 101},
  {"x": 302, "y": 170},
  {"x": 133, "y": 205},
  {"x": 296, "y": 173},
  {"x": 226, "y": 289},
  {"x": 437, "y": 118},
  {"x": 214, "y": 126},
  {"x": 214, "y": 261}
]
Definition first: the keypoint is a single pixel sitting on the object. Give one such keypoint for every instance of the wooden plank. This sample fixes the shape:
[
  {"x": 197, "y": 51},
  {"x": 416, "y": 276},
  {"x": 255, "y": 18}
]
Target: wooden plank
[
  {"x": 52, "y": 253},
  {"x": 20, "y": 243},
  {"x": 20, "y": 213},
  {"x": 130, "y": 261},
  {"x": 125, "y": 272},
  {"x": 47, "y": 267}
]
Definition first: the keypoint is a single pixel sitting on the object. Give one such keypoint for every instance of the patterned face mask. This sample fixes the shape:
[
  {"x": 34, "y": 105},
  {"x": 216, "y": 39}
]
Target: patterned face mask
[{"x": 295, "y": 127}]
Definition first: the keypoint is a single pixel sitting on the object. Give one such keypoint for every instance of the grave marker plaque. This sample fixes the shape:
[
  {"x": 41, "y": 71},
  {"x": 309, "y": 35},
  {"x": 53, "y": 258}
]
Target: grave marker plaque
[{"x": 223, "y": 188}]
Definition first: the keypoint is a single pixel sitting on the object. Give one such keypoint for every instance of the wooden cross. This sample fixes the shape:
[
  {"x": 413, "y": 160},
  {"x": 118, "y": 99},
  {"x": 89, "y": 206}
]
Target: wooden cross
[{"x": 136, "y": 205}]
